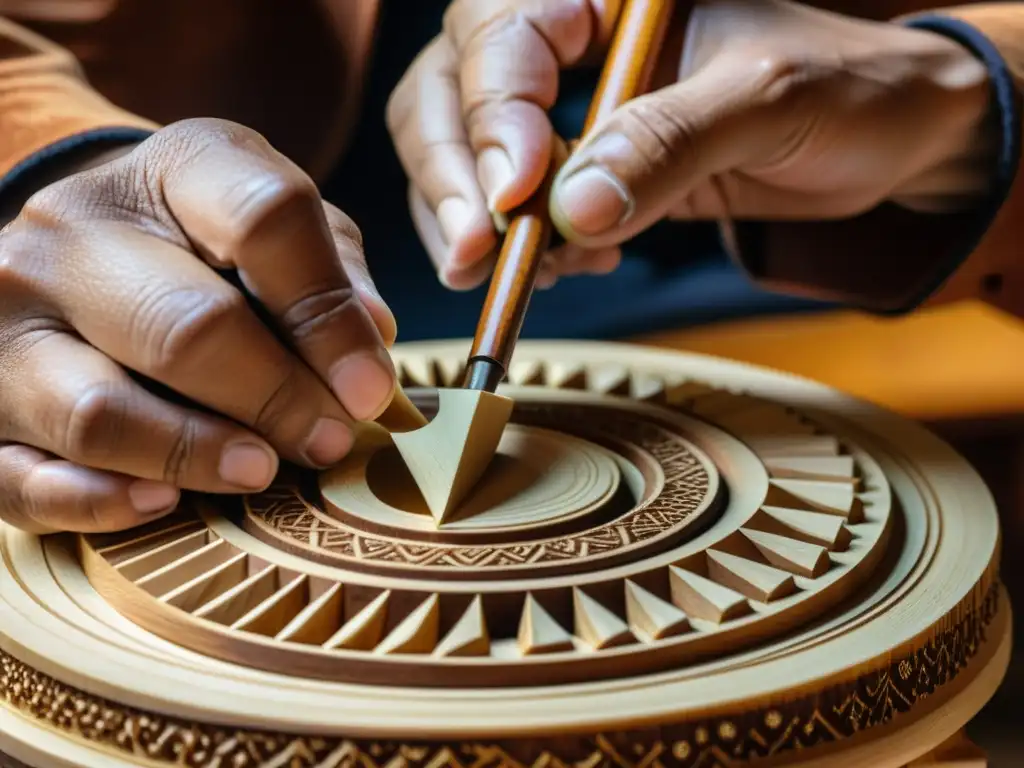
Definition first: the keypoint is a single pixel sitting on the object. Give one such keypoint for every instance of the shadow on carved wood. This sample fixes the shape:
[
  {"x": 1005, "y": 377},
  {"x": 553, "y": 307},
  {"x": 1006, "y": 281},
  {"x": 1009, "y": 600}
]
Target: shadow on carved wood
[{"x": 759, "y": 570}]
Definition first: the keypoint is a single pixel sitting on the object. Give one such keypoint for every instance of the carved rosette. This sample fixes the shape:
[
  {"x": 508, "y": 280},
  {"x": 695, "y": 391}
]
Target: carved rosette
[{"x": 750, "y": 586}]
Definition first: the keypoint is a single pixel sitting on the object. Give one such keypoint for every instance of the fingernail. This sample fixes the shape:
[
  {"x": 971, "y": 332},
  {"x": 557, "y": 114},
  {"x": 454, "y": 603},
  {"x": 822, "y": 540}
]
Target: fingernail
[
  {"x": 592, "y": 200},
  {"x": 149, "y": 497},
  {"x": 364, "y": 383},
  {"x": 247, "y": 465},
  {"x": 328, "y": 443},
  {"x": 496, "y": 172},
  {"x": 454, "y": 216}
]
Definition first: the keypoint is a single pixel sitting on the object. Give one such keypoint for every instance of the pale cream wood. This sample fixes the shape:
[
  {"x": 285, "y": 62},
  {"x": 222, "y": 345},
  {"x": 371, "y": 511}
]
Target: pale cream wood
[
  {"x": 315, "y": 623},
  {"x": 401, "y": 415},
  {"x": 469, "y": 637},
  {"x": 826, "y": 530},
  {"x": 274, "y": 613},
  {"x": 210, "y": 585},
  {"x": 758, "y": 582},
  {"x": 800, "y": 576},
  {"x": 702, "y": 598},
  {"x": 775, "y": 446},
  {"x": 651, "y": 615},
  {"x": 163, "y": 580},
  {"x": 811, "y": 467},
  {"x": 365, "y": 630},
  {"x": 732, "y": 631},
  {"x": 830, "y": 497},
  {"x": 958, "y": 751},
  {"x": 539, "y": 632},
  {"x": 938, "y": 719},
  {"x": 232, "y": 604},
  {"x": 417, "y": 633},
  {"x": 536, "y": 476},
  {"x": 597, "y": 626},
  {"x": 793, "y": 555},
  {"x": 447, "y": 456},
  {"x": 136, "y": 567}
]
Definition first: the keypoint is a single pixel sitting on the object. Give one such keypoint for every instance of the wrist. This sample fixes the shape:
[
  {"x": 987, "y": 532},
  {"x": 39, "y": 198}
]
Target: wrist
[{"x": 965, "y": 145}]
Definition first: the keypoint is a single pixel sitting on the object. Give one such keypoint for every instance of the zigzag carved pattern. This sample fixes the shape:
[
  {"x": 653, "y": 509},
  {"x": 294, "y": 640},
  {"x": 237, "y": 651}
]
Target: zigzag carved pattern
[
  {"x": 687, "y": 485},
  {"x": 820, "y": 717}
]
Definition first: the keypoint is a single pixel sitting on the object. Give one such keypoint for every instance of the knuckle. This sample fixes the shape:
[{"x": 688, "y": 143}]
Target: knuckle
[
  {"x": 26, "y": 260},
  {"x": 661, "y": 135},
  {"x": 282, "y": 200},
  {"x": 182, "y": 325},
  {"x": 467, "y": 21},
  {"x": 179, "y": 458},
  {"x": 95, "y": 421},
  {"x": 188, "y": 138},
  {"x": 185, "y": 143},
  {"x": 54, "y": 202},
  {"x": 15, "y": 509},
  {"x": 343, "y": 227},
  {"x": 20, "y": 261},
  {"x": 328, "y": 308},
  {"x": 780, "y": 77}
]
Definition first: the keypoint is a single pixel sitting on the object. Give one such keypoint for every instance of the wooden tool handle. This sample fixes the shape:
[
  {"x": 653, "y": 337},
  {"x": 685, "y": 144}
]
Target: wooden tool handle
[
  {"x": 633, "y": 55},
  {"x": 638, "y": 37},
  {"x": 526, "y": 241}
]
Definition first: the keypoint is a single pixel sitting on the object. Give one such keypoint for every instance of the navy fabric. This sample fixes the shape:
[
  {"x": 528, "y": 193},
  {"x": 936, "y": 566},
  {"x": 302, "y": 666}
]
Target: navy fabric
[
  {"x": 672, "y": 276},
  {"x": 1006, "y": 106}
]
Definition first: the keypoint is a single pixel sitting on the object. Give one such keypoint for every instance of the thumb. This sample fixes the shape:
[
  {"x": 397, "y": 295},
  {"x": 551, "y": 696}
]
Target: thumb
[{"x": 645, "y": 158}]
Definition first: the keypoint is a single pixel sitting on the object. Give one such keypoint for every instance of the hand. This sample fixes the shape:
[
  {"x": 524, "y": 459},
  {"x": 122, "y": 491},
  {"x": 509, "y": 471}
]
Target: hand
[
  {"x": 778, "y": 110},
  {"x": 469, "y": 121},
  {"x": 132, "y": 368},
  {"x": 785, "y": 112}
]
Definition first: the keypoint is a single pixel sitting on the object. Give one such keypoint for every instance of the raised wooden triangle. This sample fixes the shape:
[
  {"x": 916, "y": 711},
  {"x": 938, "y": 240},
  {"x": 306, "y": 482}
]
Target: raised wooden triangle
[{"x": 447, "y": 457}]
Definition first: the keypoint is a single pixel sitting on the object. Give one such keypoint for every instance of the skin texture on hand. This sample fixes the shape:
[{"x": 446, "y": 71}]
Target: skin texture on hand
[
  {"x": 777, "y": 111},
  {"x": 133, "y": 369},
  {"x": 469, "y": 121}
]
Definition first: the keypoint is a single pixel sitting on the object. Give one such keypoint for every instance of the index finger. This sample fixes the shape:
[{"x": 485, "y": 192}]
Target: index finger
[
  {"x": 510, "y": 56},
  {"x": 249, "y": 207}
]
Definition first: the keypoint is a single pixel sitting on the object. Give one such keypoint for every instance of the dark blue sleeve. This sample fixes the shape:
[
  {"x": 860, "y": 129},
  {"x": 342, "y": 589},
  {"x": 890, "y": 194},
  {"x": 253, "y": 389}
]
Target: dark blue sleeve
[
  {"x": 18, "y": 184},
  {"x": 890, "y": 260},
  {"x": 1006, "y": 104}
]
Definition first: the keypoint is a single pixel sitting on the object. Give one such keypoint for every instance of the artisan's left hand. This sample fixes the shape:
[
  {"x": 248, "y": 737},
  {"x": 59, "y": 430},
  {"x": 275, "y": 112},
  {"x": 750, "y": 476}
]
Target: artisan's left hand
[
  {"x": 776, "y": 111},
  {"x": 785, "y": 112}
]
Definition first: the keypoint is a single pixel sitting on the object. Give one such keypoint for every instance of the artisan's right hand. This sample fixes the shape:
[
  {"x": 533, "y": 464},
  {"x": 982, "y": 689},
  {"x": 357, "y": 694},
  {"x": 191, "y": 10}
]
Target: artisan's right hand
[
  {"x": 112, "y": 290},
  {"x": 470, "y": 126}
]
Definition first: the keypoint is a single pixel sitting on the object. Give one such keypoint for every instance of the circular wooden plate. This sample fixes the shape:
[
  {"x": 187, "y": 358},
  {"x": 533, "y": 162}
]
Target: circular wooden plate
[{"x": 726, "y": 563}]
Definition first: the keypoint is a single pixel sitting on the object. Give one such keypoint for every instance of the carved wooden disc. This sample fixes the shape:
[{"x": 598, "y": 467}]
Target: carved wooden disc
[
  {"x": 538, "y": 478},
  {"x": 718, "y": 564}
]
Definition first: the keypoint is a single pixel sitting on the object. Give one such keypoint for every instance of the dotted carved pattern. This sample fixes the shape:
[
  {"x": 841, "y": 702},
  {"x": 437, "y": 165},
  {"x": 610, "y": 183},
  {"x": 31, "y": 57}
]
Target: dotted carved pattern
[
  {"x": 819, "y": 718},
  {"x": 287, "y": 514}
]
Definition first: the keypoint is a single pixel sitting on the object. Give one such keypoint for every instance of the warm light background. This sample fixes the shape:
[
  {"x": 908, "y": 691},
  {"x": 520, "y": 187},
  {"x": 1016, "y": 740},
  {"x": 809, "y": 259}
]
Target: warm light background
[{"x": 956, "y": 362}]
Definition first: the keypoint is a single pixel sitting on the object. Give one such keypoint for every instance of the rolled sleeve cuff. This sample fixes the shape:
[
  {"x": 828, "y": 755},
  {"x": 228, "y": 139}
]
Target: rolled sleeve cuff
[{"x": 889, "y": 260}]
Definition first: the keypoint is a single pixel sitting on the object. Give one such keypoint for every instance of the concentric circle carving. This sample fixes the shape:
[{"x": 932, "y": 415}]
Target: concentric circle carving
[
  {"x": 539, "y": 481},
  {"x": 645, "y": 590},
  {"x": 787, "y": 616},
  {"x": 672, "y": 499}
]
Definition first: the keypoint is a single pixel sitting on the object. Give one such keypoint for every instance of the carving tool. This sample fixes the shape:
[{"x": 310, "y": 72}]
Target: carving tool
[
  {"x": 627, "y": 74},
  {"x": 448, "y": 456}
]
